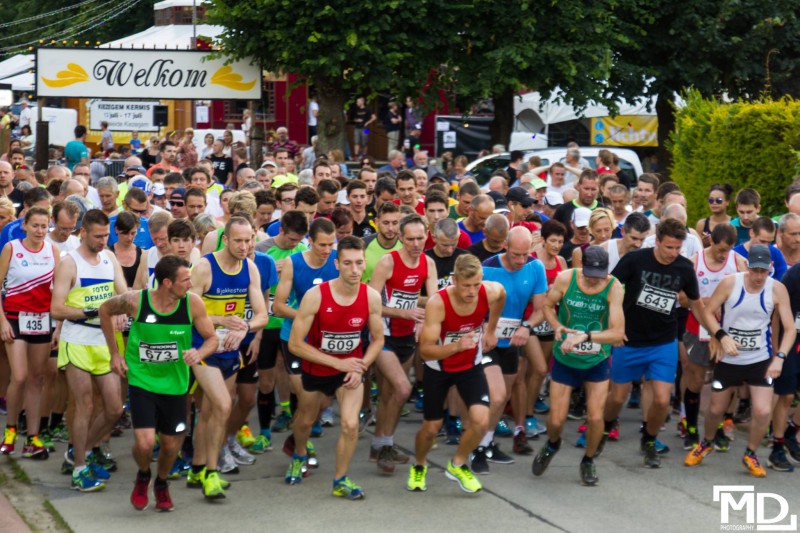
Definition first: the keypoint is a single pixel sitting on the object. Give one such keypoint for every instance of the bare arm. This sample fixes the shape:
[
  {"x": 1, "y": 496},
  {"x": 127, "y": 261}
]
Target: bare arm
[
  {"x": 257, "y": 302},
  {"x": 126, "y": 303},
  {"x": 577, "y": 257},
  {"x": 496, "y": 295},
  {"x": 209, "y": 242},
  {"x": 63, "y": 280},
  {"x": 375, "y": 327},
  {"x": 552, "y": 299},
  {"x": 204, "y": 327},
  {"x": 140, "y": 282},
  {"x": 6, "y": 332},
  {"x": 615, "y": 332},
  {"x": 707, "y": 317},
  {"x": 280, "y": 305},
  {"x": 781, "y": 299}
]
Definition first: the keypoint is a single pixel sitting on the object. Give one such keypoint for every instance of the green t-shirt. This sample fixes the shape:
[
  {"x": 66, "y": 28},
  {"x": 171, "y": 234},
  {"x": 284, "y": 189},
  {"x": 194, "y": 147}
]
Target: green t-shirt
[
  {"x": 74, "y": 151},
  {"x": 373, "y": 253},
  {"x": 583, "y": 312},
  {"x": 155, "y": 347},
  {"x": 277, "y": 253}
]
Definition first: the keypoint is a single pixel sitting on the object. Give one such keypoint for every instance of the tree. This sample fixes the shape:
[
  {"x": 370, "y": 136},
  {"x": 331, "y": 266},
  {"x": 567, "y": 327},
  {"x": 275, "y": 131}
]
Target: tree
[
  {"x": 732, "y": 48},
  {"x": 340, "y": 47}
]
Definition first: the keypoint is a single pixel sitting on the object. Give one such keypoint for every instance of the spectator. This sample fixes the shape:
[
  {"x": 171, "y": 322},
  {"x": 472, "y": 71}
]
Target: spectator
[
  {"x": 284, "y": 142},
  {"x": 187, "y": 152},
  {"x": 76, "y": 151},
  {"x": 392, "y": 122},
  {"x": 362, "y": 117}
]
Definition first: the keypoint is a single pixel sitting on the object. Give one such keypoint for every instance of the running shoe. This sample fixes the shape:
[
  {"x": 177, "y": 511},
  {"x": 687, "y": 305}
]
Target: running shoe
[
  {"x": 34, "y": 449},
  {"x": 742, "y": 412},
  {"x": 245, "y": 437},
  {"x": 263, "y": 443},
  {"x": 751, "y": 463},
  {"x": 452, "y": 433},
  {"x": 682, "y": 428},
  {"x": 613, "y": 434},
  {"x": 691, "y": 439},
  {"x": 698, "y": 453},
  {"x": 374, "y": 453},
  {"x": 541, "y": 407},
  {"x": 661, "y": 448},
  {"x": 721, "y": 442},
  {"x": 416, "y": 478},
  {"x": 365, "y": 419},
  {"x": 294, "y": 474},
  {"x": 651, "y": 458},
  {"x": 794, "y": 450},
  {"x": 419, "y": 404},
  {"x": 179, "y": 468},
  {"x": 464, "y": 477},
  {"x": 635, "y": 398},
  {"x": 194, "y": 480},
  {"x": 495, "y": 455},
  {"x": 729, "y": 427},
  {"x": 588, "y": 474},
  {"x": 405, "y": 411},
  {"x": 502, "y": 429},
  {"x": 97, "y": 468},
  {"x": 347, "y": 489},
  {"x": 542, "y": 459},
  {"x": 477, "y": 461},
  {"x": 533, "y": 427},
  {"x": 69, "y": 456},
  {"x": 385, "y": 460},
  {"x": 582, "y": 428},
  {"x": 327, "y": 417},
  {"x": 282, "y": 423},
  {"x": 239, "y": 454},
  {"x": 141, "y": 487},
  {"x": 521, "y": 445},
  {"x": 398, "y": 457},
  {"x": 105, "y": 449},
  {"x": 212, "y": 487},
  {"x": 581, "y": 442},
  {"x": 60, "y": 433},
  {"x": 163, "y": 499},
  {"x": 313, "y": 460},
  {"x": 777, "y": 461},
  {"x": 85, "y": 481},
  {"x": 9, "y": 438},
  {"x": 47, "y": 440},
  {"x": 109, "y": 465},
  {"x": 226, "y": 462},
  {"x": 316, "y": 430}
]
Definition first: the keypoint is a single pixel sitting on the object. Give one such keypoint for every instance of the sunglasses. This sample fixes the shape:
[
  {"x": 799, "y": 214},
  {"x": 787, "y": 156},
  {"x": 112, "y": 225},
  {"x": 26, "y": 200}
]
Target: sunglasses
[
  {"x": 175, "y": 203},
  {"x": 717, "y": 201},
  {"x": 138, "y": 211}
]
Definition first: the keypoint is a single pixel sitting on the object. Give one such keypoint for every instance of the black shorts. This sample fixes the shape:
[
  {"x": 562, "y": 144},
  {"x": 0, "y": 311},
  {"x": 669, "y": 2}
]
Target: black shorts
[
  {"x": 403, "y": 347},
  {"x": 327, "y": 385},
  {"x": 727, "y": 375},
  {"x": 471, "y": 384},
  {"x": 682, "y": 314},
  {"x": 292, "y": 362},
  {"x": 506, "y": 358},
  {"x": 248, "y": 373},
  {"x": 166, "y": 413},
  {"x": 544, "y": 332},
  {"x": 268, "y": 350},
  {"x": 30, "y": 339},
  {"x": 790, "y": 375}
]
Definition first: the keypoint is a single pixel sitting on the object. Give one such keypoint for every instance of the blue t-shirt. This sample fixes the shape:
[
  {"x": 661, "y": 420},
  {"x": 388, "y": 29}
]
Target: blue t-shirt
[
  {"x": 269, "y": 277},
  {"x": 142, "y": 239},
  {"x": 474, "y": 237},
  {"x": 74, "y": 152},
  {"x": 274, "y": 228},
  {"x": 778, "y": 262},
  {"x": 13, "y": 230},
  {"x": 742, "y": 233},
  {"x": 520, "y": 287},
  {"x": 303, "y": 278}
]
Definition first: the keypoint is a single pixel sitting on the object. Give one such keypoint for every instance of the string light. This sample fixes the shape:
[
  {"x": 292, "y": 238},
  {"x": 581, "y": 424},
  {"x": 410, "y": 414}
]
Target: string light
[
  {"x": 40, "y": 29},
  {"x": 43, "y": 15}
]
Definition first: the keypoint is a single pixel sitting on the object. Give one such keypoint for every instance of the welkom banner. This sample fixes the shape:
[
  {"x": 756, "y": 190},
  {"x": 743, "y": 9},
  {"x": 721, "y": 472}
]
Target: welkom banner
[{"x": 138, "y": 74}]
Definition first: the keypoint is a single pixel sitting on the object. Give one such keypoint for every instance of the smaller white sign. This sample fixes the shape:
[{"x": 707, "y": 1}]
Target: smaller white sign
[
  {"x": 122, "y": 115},
  {"x": 442, "y": 126},
  {"x": 449, "y": 139}
]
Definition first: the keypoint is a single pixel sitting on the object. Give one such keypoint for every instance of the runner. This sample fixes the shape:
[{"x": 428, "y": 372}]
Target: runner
[
  {"x": 156, "y": 365},
  {"x": 452, "y": 345},
  {"x": 784, "y": 426},
  {"x": 27, "y": 266},
  {"x": 386, "y": 240},
  {"x": 743, "y": 349},
  {"x": 711, "y": 265},
  {"x": 399, "y": 276},
  {"x": 587, "y": 322},
  {"x": 634, "y": 231},
  {"x": 652, "y": 277},
  {"x": 84, "y": 279},
  {"x": 334, "y": 363},
  {"x": 525, "y": 282},
  {"x": 224, "y": 280}
]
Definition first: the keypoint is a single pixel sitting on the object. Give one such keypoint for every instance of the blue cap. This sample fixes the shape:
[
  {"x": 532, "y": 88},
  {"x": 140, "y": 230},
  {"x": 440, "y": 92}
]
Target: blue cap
[{"x": 142, "y": 183}]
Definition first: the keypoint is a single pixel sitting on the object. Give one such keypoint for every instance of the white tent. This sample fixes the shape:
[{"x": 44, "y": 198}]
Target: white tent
[
  {"x": 14, "y": 72},
  {"x": 171, "y": 37},
  {"x": 20, "y": 82}
]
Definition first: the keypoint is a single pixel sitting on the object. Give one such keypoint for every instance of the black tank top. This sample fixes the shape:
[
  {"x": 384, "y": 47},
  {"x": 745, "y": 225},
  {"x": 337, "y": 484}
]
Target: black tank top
[{"x": 129, "y": 272}]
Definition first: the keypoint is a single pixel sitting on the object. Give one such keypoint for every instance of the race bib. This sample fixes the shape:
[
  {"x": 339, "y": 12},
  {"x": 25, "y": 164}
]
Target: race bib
[
  {"x": 797, "y": 322},
  {"x": 128, "y": 324},
  {"x": 454, "y": 336},
  {"x": 747, "y": 339},
  {"x": 506, "y": 327},
  {"x": 658, "y": 300},
  {"x": 162, "y": 352},
  {"x": 703, "y": 334},
  {"x": 543, "y": 329},
  {"x": 248, "y": 312},
  {"x": 586, "y": 348},
  {"x": 222, "y": 333},
  {"x": 34, "y": 323},
  {"x": 403, "y": 300},
  {"x": 271, "y": 301},
  {"x": 340, "y": 343}
]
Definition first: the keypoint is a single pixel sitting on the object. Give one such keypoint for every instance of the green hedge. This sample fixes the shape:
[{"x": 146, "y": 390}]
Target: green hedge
[{"x": 746, "y": 144}]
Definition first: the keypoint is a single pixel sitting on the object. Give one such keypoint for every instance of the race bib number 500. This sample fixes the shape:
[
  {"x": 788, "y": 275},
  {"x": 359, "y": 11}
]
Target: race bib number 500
[
  {"x": 403, "y": 300},
  {"x": 658, "y": 300}
]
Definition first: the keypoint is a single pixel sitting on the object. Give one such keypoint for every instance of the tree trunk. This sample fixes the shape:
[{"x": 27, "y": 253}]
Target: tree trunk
[
  {"x": 666, "y": 124},
  {"x": 503, "y": 123},
  {"x": 256, "y": 138},
  {"x": 331, "y": 130}
]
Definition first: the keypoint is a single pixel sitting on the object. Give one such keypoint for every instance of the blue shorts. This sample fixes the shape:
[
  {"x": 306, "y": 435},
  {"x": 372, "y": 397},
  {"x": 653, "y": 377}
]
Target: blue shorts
[
  {"x": 229, "y": 366},
  {"x": 575, "y": 377},
  {"x": 658, "y": 363},
  {"x": 790, "y": 375}
]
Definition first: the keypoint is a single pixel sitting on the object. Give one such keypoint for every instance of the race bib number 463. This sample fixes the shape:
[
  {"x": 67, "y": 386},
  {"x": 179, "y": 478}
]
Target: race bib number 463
[{"x": 658, "y": 300}]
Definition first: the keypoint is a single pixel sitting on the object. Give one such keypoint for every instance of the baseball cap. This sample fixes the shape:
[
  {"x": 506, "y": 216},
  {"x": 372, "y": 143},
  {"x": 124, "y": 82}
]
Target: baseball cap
[
  {"x": 142, "y": 183},
  {"x": 553, "y": 198},
  {"x": 272, "y": 164},
  {"x": 138, "y": 168},
  {"x": 158, "y": 189},
  {"x": 500, "y": 204},
  {"x": 538, "y": 183},
  {"x": 580, "y": 217},
  {"x": 759, "y": 257},
  {"x": 595, "y": 262},
  {"x": 178, "y": 194},
  {"x": 439, "y": 177},
  {"x": 519, "y": 195}
]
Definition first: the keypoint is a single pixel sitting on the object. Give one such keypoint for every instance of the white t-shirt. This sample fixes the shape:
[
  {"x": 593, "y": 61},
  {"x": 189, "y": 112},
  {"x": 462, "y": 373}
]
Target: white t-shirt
[
  {"x": 70, "y": 244},
  {"x": 690, "y": 247},
  {"x": 312, "y": 106}
]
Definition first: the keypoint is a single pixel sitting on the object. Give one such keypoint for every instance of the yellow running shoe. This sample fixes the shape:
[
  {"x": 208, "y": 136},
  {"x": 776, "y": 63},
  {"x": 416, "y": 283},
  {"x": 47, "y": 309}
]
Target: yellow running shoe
[
  {"x": 416, "y": 478},
  {"x": 245, "y": 437},
  {"x": 698, "y": 453},
  {"x": 464, "y": 476},
  {"x": 212, "y": 487},
  {"x": 753, "y": 466}
]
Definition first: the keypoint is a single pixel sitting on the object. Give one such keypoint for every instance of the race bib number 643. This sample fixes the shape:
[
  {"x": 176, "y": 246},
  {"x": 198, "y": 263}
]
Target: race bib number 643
[{"x": 658, "y": 300}]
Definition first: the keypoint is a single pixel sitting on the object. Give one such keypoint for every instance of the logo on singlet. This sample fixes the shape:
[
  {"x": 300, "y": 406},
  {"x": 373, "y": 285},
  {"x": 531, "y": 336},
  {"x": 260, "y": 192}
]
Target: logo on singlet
[
  {"x": 230, "y": 306},
  {"x": 355, "y": 322}
]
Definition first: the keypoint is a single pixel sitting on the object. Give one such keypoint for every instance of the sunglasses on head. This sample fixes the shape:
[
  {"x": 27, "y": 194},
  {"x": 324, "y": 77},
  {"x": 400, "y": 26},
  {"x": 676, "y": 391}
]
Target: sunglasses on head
[{"x": 717, "y": 201}]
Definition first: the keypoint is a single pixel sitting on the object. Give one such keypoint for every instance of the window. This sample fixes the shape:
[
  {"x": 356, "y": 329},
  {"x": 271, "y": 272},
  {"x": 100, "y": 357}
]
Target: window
[{"x": 265, "y": 111}]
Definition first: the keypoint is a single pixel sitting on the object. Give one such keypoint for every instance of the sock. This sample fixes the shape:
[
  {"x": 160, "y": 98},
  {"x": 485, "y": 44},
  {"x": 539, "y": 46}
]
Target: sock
[
  {"x": 728, "y": 416},
  {"x": 791, "y": 430},
  {"x": 518, "y": 430},
  {"x": 11, "y": 426},
  {"x": 196, "y": 469},
  {"x": 209, "y": 471},
  {"x": 554, "y": 446},
  {"x": 96, "y": 451},
  {"x": 691, "y": 401},
  {"x": 587, "y": 460},
  {"x": 265, "y": 404},
  {"x": 43, "y": 421},
  {"x": 286, "y": 408},
  {"x": 292, "y": 404},
  {"x": 380, "y": 442},
  {"x": 161, "y": 482},
  {"x": 146, "y": 474},
  {"x": 301, "y": 457},
  {"x": 777, "y": 444},
  {"x": 76, "y": 471},
  {"x": 647, "y": 437},
  {"x": 487, "y": 439},
  {"x": 55, "y": 419},
  {"x": 389, "y": 440},
  {"x": 608, "y": 426},
  {"x": 750, "y": 452}
]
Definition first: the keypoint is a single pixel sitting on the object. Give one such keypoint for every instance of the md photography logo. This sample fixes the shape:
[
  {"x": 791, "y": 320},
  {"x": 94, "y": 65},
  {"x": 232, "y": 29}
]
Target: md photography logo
[{"x": 754, "y": 504}]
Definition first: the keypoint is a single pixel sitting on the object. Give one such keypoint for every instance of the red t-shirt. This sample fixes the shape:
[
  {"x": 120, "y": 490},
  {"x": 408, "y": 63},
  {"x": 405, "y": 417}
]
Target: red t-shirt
[{"x": 463, "y": 241}]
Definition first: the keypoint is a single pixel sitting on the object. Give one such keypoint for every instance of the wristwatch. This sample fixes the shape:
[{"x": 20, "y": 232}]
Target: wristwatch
[
  {"x": 780, "y": 355},
  {"x": 526, "y": 324}
]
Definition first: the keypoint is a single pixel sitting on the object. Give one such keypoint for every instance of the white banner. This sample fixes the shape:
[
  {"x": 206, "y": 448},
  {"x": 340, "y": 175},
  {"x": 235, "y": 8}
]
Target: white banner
[
  {"x": 122, "y": 116},
  {"x": 167, "y": 74}
]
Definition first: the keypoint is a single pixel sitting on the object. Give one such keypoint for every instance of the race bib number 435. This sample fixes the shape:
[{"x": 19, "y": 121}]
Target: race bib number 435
[
  {"x": 34, "y": 323},
  {"x": 658, "y": 300}
]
